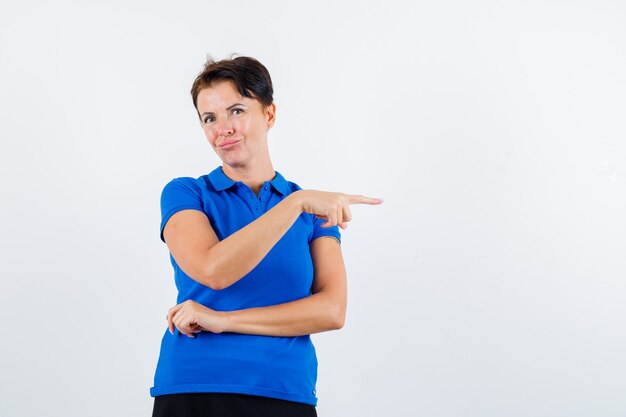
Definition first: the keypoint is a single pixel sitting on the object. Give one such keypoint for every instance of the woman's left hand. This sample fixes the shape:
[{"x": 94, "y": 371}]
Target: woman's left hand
[{"x": 190, "y": 317}]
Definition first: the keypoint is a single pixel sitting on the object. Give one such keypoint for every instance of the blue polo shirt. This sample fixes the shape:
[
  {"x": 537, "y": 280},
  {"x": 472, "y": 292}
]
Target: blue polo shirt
[{"x": 277, "y": 367}]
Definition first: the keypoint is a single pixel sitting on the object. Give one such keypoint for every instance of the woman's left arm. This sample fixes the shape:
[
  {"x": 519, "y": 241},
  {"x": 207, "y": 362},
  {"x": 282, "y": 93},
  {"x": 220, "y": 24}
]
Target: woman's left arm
[{"x": 323, "y": 310}]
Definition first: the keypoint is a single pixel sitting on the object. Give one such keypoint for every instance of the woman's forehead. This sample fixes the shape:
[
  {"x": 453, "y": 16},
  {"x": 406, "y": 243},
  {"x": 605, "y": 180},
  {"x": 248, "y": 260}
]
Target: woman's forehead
[{"x": 221, "y": 95}]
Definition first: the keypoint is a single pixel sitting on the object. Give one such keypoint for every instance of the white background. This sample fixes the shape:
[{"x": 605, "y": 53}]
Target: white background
[{"x": 491, "y": 282}]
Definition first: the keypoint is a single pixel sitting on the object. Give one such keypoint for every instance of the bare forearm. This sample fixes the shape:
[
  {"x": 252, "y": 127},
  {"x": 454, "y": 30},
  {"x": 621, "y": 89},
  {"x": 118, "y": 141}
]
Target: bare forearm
[
  {"x": 317, "y": 313},
  {"x": 324, "y": 310},
  {"x": 232, "y": 258}
]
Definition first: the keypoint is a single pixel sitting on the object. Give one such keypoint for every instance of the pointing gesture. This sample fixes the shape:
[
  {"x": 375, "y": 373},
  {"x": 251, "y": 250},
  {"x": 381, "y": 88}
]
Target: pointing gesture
[{"x": 333, "y": 207}]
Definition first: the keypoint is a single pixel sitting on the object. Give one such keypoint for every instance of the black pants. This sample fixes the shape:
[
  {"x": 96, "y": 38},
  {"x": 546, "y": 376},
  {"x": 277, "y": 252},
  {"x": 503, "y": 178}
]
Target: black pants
[{"x": 227, "y": 405}]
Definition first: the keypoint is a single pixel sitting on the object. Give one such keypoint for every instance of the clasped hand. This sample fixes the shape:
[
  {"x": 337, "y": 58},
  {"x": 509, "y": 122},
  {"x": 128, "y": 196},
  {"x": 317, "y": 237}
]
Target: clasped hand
[{"x": 190, "y": 317}]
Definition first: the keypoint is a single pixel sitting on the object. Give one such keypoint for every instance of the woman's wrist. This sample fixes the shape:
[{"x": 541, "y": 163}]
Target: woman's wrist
[
  {"x": 295, "y": 199},
  {"x": 226, "y": 321}
]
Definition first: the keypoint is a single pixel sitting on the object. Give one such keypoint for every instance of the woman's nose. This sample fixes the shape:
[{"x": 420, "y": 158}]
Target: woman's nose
[{"x": 225, "y": 128}]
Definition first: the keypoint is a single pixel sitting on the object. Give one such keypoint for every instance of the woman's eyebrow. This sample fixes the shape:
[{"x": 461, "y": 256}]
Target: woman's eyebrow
[{"x": 227, "y": 108}]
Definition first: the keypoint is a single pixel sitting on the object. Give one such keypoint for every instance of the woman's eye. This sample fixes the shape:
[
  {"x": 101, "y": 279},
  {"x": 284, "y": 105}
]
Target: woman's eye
[
  {"x": 209, "y": 120},
  {"x": 237, "y": 112}
]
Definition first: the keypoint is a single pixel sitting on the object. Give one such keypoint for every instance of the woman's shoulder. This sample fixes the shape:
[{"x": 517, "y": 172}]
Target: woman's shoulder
[
  {"x": 185, "y": 185},
  {"x": 290, "y": 186},
  {"x": 185, "y": 181}
]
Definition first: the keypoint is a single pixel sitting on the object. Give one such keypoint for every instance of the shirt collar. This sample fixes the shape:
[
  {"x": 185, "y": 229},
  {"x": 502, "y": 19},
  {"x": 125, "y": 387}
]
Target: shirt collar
[
  {"x": 221, "y": 182},
  {"x": 280, "y": 183}
]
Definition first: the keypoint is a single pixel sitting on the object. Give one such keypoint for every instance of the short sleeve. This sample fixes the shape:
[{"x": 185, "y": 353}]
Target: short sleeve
[
  {"x": 319, "y": 231},
  {"x": 179, "y": 194}
]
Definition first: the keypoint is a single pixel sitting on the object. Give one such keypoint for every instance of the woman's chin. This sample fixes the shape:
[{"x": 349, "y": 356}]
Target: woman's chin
[{"x": 233, "y": 162}]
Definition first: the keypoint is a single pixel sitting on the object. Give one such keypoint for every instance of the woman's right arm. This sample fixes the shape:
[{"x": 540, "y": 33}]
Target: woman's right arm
[{"x": 219, "y": 264}]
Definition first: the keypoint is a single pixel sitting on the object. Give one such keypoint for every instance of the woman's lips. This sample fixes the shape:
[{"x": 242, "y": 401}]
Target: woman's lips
[{"x": 229, "y": 144}]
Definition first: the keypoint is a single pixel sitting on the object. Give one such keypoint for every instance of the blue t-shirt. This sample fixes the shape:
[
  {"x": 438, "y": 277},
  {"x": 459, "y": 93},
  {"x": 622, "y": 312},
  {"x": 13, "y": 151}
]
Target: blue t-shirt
[{"x": 270, "y": 366}]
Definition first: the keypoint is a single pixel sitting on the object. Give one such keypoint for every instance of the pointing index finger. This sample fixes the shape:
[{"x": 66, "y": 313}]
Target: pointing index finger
[{"x": 361, "y": 199}]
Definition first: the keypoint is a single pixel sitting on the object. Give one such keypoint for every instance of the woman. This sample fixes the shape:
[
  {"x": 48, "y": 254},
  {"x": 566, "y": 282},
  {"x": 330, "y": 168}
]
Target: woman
[{"x": 254, "y": 276}]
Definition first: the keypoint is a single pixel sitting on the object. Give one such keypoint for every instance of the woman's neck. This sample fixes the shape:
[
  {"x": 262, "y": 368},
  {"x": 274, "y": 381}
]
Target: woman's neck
[{"x": 253, "y": 177}]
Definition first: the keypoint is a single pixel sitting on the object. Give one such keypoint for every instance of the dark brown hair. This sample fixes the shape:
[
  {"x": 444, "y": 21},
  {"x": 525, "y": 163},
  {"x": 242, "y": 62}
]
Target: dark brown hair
[{"x": 251, "y": 78}]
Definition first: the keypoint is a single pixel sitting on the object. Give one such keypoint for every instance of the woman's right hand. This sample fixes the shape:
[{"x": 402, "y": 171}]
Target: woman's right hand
[{"x": 330, "y": 206}]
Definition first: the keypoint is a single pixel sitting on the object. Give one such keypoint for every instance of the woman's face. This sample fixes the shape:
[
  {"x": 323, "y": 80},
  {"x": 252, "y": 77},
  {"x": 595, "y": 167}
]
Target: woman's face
[{"x": 235, "y": 126}]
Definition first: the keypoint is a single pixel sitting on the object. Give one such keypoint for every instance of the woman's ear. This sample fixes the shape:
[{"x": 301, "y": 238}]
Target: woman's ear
[{"x": 270, "y": 113}]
